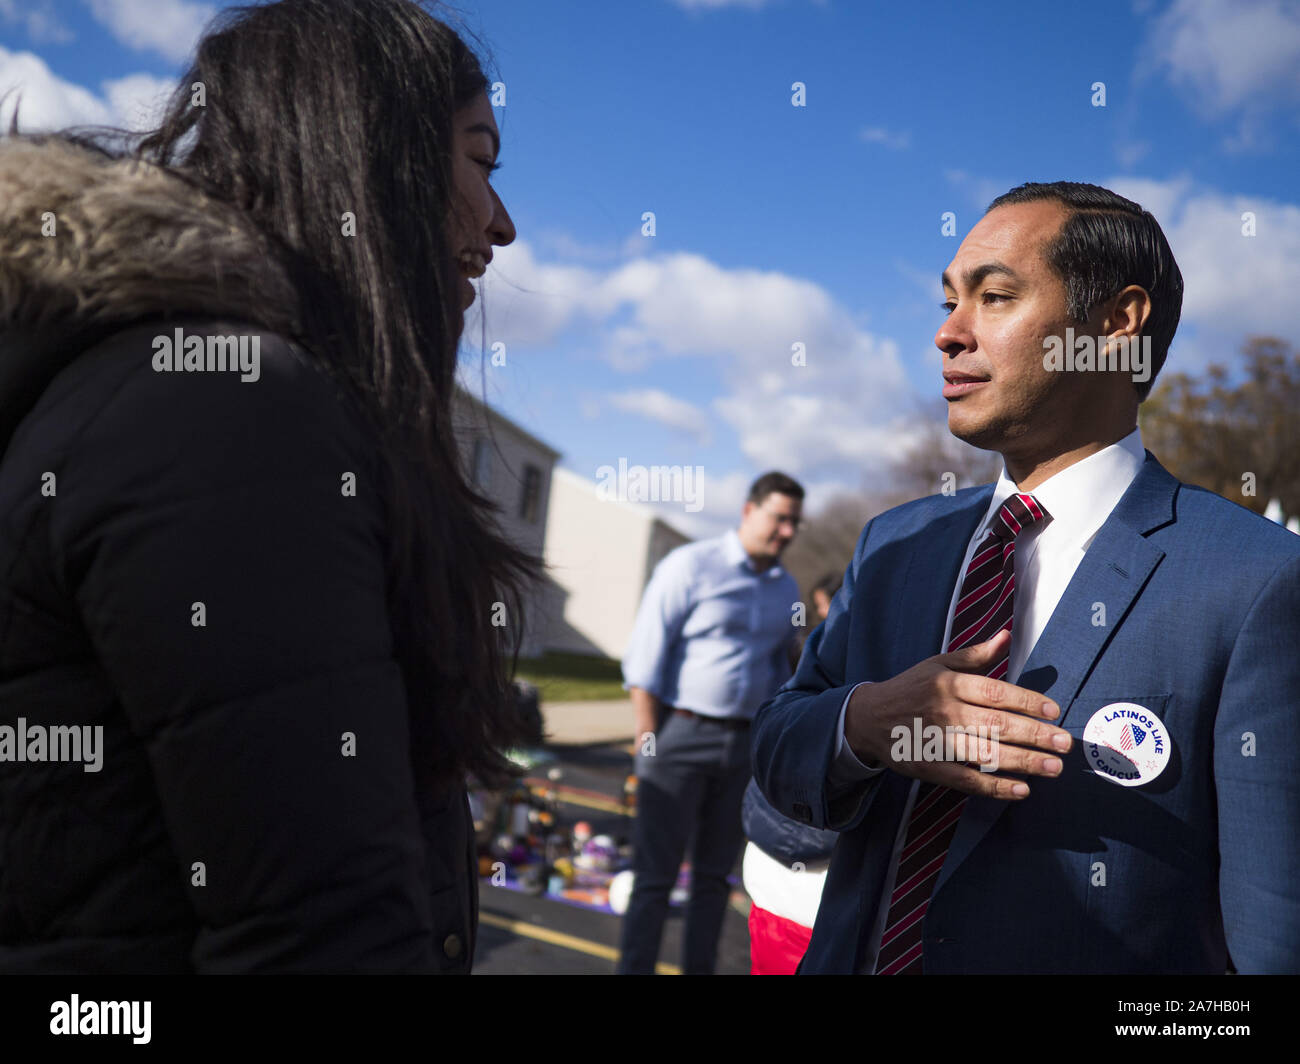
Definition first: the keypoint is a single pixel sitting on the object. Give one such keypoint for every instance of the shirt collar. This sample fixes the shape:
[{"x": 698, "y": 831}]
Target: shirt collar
[
  {"x": 734, "y": 551},
  {"x": 1081, "y": 496}
]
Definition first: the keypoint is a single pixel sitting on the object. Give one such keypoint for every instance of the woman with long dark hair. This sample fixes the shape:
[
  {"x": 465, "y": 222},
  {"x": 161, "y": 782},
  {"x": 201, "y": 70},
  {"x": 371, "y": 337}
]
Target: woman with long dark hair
[{"x": 247, "y": 594}]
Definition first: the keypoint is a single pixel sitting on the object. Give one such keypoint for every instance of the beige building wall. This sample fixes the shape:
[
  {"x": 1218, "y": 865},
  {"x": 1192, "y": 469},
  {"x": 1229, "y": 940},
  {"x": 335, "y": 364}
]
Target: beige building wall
[
  {"x": 600, "y": 554},
  {"x": 514, "y": 469}
]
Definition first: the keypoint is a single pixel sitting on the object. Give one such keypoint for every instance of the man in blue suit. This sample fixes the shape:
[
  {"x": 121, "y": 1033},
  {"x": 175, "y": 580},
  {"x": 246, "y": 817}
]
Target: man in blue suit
[{"x": 1134, "y": 802}]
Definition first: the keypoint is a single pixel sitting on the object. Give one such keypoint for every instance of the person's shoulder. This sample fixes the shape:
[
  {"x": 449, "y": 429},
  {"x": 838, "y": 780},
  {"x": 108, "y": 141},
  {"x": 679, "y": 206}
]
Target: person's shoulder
[
  {"x": 201, "y": 386},
  {"x": 201, "y": 362},
  {"x": 688, "y": 563},
  {"x": 149, "y": 414},
  {"x": 915, "y": 516},
  {"x": 699, "y": 549},
  {"x": 1228, "y": 529}
]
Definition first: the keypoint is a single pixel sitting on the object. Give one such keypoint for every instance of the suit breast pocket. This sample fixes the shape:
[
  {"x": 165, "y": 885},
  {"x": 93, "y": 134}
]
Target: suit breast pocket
[
  {"x": 1121, "y": 799},
  {"x": 1141, "y": 807},
  {"x": 1125, "y": 740}
]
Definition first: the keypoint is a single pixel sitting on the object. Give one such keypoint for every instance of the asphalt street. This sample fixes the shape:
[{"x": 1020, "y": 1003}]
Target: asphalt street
[{"x": 522, "y": 934}]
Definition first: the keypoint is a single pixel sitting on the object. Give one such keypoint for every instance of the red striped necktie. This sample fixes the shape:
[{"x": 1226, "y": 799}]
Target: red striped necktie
[{"x": 986, "y": 605}]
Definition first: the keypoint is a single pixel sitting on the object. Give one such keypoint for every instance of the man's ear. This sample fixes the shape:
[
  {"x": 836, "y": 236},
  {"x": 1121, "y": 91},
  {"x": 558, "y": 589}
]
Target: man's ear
[{"x": 1127, "y": 313}]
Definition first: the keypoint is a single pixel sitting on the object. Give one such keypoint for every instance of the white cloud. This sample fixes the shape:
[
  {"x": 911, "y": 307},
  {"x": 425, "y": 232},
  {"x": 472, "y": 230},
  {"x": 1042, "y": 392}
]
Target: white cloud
[
  {"x": 39, "y": 20},
  {"x": 835, "y": 431},
  {"x": 560, "y": 244},
  {"x": 721, "y": 494},
  {"x": 829, "y": 408},
  {"x": 169, "y": 27},
  {"x": 47, "y": 101},
  {"x": 890, "y": 139},
  {"x": 528, "y": 301},
  {"x": 138, "y": 99},
  {"x": 684, "y": 304},
  {"x": 1162, "y": 198},
  {"x": 1233, "y": 57},
  {"x": 658, "y": 405},
  {"x": 671, "y": 305},
  {"x": 50, "y": 102}
]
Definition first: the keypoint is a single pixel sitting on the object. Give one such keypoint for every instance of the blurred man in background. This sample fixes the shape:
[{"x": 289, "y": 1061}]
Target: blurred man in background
[{"x": 711, "y": 642}]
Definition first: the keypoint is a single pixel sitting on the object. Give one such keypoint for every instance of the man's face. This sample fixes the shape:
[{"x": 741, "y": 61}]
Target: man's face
[
  {"x": 767, "y": 528},
  {"x": 1004, "y": 300}
]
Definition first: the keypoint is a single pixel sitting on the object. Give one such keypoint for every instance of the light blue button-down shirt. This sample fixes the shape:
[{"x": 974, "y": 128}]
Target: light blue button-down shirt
[{"x": 712, "y": 634}]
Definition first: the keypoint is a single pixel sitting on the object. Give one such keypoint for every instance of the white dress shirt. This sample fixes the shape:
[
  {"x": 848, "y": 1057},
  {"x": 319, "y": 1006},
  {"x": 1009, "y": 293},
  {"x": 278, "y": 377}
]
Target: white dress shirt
[{"x": 1079, "y": 499}]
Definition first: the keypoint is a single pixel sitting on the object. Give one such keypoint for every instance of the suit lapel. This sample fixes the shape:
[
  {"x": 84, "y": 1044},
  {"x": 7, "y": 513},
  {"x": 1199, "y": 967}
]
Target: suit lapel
[
  {"x": 1114, "y": 571},
  {"x": 926, "y": 590}
]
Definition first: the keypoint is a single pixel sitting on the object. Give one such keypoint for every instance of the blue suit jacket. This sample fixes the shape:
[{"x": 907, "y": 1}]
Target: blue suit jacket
[{"x": 1199, "y": 865}]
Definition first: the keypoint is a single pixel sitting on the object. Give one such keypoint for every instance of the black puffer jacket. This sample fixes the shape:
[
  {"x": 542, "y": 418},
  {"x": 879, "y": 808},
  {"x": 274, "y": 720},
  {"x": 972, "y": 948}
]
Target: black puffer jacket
[{"x": 255, "y": 806}]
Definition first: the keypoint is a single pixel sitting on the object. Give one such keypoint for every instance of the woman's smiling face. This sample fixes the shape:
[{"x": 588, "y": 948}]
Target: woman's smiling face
[{"x": 479, "y": 219}]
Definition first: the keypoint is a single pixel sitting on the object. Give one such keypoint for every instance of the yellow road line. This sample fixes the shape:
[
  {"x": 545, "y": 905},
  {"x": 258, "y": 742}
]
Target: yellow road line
[
  {"x": 559, "y": 938},
  {"x": 605, "y": 806}
]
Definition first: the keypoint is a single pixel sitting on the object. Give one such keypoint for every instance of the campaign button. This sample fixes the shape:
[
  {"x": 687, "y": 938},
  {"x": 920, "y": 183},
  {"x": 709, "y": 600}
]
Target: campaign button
[{"x": 1126, "y": 743}]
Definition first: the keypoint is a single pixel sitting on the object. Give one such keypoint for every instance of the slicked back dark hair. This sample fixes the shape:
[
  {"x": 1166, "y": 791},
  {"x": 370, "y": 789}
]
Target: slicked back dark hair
[
  {"x": 1106, "y": 244},
  {"x": 315, "y": 108},
  {"x": 774, "y": 482}
]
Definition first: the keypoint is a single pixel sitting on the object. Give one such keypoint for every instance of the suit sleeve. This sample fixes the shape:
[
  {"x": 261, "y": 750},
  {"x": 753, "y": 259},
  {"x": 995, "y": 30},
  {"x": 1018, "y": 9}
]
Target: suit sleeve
[
  {"x": 234, "y": 592},
  {"x": 1256, "y": 739},
  {"x": 846, "y": 768},
  {"x": 796, "y": 732}
]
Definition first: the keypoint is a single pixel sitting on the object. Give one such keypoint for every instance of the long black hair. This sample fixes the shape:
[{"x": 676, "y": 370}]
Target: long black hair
[{"x": 308, "y": 110}]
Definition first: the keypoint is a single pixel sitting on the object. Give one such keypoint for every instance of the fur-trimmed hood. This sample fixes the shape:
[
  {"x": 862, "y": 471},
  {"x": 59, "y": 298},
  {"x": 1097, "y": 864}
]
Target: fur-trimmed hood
[{"x": 89, "y": 244}]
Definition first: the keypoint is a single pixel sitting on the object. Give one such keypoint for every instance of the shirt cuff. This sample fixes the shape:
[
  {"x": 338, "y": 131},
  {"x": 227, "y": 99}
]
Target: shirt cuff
[{"x": 846, "y": 769}]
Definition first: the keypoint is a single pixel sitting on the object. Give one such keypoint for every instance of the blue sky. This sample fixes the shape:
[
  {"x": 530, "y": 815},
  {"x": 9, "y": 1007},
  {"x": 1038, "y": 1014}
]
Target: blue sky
[{"x": 778, "y": 224}]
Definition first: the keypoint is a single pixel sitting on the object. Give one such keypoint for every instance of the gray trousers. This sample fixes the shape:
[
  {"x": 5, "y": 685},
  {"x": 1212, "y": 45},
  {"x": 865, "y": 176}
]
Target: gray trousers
[{"x": 688, "y": 792}]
